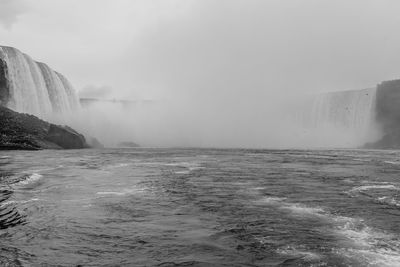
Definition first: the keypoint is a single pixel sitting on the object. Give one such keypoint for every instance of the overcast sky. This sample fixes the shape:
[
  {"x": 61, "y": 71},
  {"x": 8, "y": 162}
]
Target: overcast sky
[{"x": 150, "y": 48}]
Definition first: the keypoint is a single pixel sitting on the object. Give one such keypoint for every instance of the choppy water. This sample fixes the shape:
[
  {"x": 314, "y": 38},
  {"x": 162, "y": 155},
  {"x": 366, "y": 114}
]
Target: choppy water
[{"x": 192, "y": 207}]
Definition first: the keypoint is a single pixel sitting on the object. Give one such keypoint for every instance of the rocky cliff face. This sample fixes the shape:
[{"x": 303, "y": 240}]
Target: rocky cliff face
[
  {"x": 388, "y": 104},
  {"x": 388, "y": 114},
  {"x": 27, "y": 132}
]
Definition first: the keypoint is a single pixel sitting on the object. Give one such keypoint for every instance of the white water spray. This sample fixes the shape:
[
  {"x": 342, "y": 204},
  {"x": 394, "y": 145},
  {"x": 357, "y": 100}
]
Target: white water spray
[{"x": 36, "y": 89}]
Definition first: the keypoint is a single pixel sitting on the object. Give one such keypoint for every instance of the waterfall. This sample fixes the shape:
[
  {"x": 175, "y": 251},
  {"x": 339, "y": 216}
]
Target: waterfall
[
  {"x": 73, "y": 98},
  {"x": 58, "y": 95},
  {"x": 351, "y": 110},
  {"x": 340, "y": 119},
  {"x": 33, "y": 87}
]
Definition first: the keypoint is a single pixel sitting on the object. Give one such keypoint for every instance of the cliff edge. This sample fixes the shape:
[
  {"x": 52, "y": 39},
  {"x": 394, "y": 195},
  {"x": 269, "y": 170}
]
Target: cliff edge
[
  {"x": 388, "y": 115},
  {"x": 26, "y": 132}
]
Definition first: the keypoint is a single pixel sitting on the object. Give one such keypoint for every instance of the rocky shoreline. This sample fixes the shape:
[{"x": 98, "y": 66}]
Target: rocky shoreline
[{"x": 20, "y": 131}]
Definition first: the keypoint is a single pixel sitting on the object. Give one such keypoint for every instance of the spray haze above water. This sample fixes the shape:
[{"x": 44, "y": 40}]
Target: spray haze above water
[
  {"x": 217, "y": 73},
  {"x": 326, "y": 120}
]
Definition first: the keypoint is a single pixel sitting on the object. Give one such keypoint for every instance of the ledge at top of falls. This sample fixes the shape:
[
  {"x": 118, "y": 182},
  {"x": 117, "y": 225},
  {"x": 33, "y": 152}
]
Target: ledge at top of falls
[{"x": 89, "y": 101}]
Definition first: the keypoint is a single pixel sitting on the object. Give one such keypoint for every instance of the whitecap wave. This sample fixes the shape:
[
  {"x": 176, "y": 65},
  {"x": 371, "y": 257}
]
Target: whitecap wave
[
  {"x": 374, "y": 187},
  {"x": 258, "y": 188},
  {"x": 381, "y": 257},
  {"x": 123, "y": 192},
  {"x": 388, "y": 201},
  {"x": 298, "y": 252},
  {"x": 111, "y": 193},
  {"x": 271, "y": 200},
  {"x": 369, "y": 246},
  {"x": 392, "y": 162},
  {"x": 302, "y": 209},
  {"x": 296, "y": 208},
  {"x": 19, "y": 202},
  {"x": 29, "y": 179},
  {"x": 368, "y": 182}
]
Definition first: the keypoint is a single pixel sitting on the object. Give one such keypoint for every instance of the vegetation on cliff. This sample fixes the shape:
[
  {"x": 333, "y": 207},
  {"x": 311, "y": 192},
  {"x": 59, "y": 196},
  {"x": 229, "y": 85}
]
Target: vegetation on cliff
[{"x": 27, "y": 132}]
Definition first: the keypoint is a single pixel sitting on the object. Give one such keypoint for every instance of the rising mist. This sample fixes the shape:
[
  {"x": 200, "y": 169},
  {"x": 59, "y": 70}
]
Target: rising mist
[{"x": 217, "y": 73}]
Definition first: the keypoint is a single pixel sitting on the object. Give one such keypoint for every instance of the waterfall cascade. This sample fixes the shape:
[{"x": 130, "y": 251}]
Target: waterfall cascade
[
  {"x": 351, "y": 110},
  {"x": 339, "y": 119},
  {"x": 32, "y": 87}
]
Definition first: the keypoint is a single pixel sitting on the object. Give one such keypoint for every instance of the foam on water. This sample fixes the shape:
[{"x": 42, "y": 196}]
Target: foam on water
[
  {"x": 302, "y": 209},
  {"x": 243, "y": 212},
  {"x": 292, "y": 207},
  {"x": 19, "y": 202},
  {"x": 388, "y": 201},
  {"x": 30, "y": 179},
  {"x": 374, "y": 187},
  {"x": 357, "y": 231},
  {"x": 298, "y": 252},
  {"x": 371, "y": 247},
  {"x": 271, "y": 200},
  {"x": 123, "y": 192},
  {"x": 379, "y": 258},
  {"x": 392, "y": 162},
  {"x": 258, "y": 188}
]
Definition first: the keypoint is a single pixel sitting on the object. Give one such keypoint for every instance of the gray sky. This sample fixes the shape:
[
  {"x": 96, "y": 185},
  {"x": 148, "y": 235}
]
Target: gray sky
[
  {"x": 221, "y": 68},
  {"x": 150, "y": 48}
]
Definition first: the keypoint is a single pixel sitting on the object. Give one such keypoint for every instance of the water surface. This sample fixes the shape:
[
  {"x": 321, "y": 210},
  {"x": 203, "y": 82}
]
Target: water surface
[{"x": 200, "y": 207}]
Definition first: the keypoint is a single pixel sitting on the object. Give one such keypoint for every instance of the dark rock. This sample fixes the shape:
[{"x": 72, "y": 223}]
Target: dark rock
[
  {"x": 65, "y": 137},
  {"x": 388, "y": 115},
  {"x": 27, "y": 132},
  {"x": 387, "y": 105},
  {"x": 128, "y": 144}
]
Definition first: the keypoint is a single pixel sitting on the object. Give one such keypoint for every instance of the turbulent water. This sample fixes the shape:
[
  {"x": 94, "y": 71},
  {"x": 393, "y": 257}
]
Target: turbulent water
[
  {"x": 200, "y": 207},
  {"x": 35, "y": 88}
]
